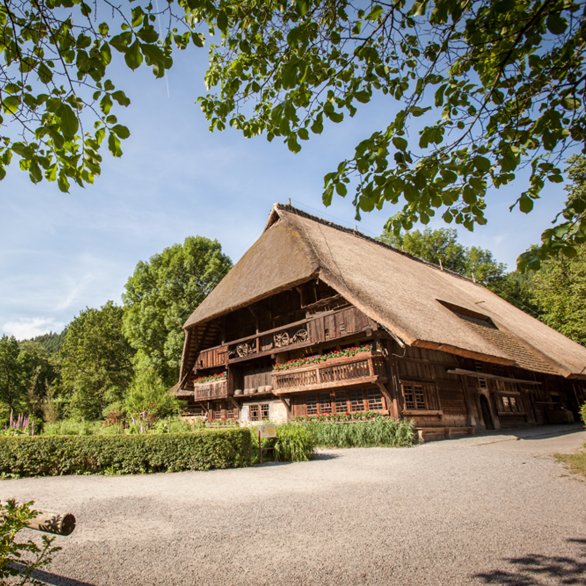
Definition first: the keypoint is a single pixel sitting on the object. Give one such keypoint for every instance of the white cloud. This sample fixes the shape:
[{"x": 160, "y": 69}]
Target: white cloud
[{"x": 22, "y": 329}]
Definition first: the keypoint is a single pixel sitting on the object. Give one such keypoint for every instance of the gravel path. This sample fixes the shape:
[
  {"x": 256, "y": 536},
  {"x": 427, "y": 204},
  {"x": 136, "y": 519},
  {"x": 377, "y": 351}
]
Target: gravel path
[{"x": 482, "y": 510}]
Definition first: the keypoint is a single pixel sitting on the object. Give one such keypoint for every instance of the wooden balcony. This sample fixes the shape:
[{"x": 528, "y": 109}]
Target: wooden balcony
[
  {"x": 211, "y": 390},
  {"x": 317, "y": 329},
  {"x": 339, "y": 372}
]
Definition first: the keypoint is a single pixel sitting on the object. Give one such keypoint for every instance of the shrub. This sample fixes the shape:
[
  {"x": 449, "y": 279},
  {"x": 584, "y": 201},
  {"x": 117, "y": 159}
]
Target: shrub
[
  {"x": 124, "y": 454},
  {"x": 13, "y": 518},
  {"x": 380, "y": 431},
  {"x": 72, "y": 427},
  {"x": 177, "y": 425},
  {"x": 75, "y": 427},
  {"x": 583, "y": 413},
  {"x": 294, "y": 443}
]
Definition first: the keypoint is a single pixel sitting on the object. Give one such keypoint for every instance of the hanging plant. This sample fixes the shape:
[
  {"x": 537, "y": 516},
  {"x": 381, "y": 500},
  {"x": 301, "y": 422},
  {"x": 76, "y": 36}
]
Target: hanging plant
[
  {"x": 212, "y": 378},
  {"x": 317, "y": 358}
]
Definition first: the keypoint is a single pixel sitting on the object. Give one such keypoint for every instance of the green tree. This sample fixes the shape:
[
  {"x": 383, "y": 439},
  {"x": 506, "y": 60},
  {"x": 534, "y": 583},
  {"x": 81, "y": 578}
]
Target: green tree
[
  {"x": 441, "y": 247},
  {"x": 568, "y": 232},
  {"x": 39, "y": 374},
  {"x": 96, "y": 361},
  {"x": 162, "y": 293},
  {"x": 148, "y": 397},
  {"x": 517, "y": 288},
  {"x": 12, "y": 384},
  {"x": 483, "y": 90},
  {"x": 559, "y": 291},
  {"x": 52, "y": 341}
]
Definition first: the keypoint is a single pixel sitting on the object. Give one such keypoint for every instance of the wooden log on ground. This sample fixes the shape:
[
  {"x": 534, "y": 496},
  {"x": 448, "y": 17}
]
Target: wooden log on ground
[{"x": 50, "y": 522}]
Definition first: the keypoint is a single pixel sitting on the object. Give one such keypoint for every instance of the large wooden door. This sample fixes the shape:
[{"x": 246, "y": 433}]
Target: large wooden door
[{"x": 486, "y": 414}]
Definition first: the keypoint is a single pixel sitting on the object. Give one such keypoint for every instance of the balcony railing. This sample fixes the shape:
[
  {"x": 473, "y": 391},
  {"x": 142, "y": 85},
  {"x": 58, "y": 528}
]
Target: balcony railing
[
  {"x": 211, "y": 390},
  {"x": 338, "y": 372},
  {"x": 313, "y": 330}
]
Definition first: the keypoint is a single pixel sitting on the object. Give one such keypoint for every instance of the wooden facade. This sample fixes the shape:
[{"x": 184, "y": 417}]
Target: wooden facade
[{"x": 306, "y": 349}]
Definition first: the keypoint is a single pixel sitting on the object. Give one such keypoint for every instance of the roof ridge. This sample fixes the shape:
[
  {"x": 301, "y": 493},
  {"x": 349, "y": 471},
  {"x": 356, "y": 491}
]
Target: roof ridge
[{"x": 291, "y": 209}]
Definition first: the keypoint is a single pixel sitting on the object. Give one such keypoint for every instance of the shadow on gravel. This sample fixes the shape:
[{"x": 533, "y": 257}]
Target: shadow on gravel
[
  {"x": 533, "y": 432},
  {"x": 53, "y": 579},
  {"x": 531, "y": 569}
]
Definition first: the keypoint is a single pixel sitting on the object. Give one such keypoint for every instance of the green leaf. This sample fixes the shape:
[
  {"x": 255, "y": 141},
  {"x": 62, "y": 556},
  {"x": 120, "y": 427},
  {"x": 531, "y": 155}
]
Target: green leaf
[
  {"x": 525, "y": 204},
  {"x": 222, "y": 21},
  {"x": 556, "y": 24},
  {"x": 121, "y": 98},
  {"x": 120, "y": 42},
  {"x": 114, "y": 145},
  {"x": 121, "y": 131},
  {"x": 418, "y": 111},
  {"x": 375, "y": 13},
  {"x": 11, "y": 104},
  {"x": 400, "y": 143},
  {"x": 481, "y": 163},
  {"x": 69, "y": 121},
  {"x": 133, "y": 56},
  {"x": 63, "y": 183}
]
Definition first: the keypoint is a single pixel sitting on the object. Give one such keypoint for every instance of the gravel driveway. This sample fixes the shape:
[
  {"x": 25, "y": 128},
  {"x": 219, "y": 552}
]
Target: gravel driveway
[{"x": 482, "y": 510}]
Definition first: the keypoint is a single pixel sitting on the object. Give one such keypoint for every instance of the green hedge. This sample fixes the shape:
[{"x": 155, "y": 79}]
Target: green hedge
[
  {"x": 380, "y": 431},
  {"x": 124, "y": 454}
]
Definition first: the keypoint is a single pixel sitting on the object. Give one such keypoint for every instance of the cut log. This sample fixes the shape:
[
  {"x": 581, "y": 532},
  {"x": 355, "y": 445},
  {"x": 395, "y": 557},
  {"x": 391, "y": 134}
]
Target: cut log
[
  {"x": 49, "y": 522},
  {"x": 60, "y": 524}
]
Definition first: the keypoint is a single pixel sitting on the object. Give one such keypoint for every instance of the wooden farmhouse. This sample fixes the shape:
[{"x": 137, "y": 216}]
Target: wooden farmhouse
[{"x": 318, "y": 319}]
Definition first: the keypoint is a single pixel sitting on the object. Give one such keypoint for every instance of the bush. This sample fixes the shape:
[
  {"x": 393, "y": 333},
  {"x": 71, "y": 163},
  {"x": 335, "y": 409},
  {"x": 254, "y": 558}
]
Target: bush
[
  {"x": 27, "y": 554},
  {"x": 75, "y": 427},
  {"x": 380, "y": 431},
  {"x": 294, "y": 443},
  {"x": 124, "y": 454},
  {"x": 583, "y": 413},
  {"x": 177, "y": 425}
]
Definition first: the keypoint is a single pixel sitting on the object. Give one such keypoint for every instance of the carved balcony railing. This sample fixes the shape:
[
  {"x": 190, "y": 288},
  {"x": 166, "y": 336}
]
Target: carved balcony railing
[
  {"x": 338, "y": 372},
  {"x": 316, "y": 329},
  {"x": 211, "y": 390}
]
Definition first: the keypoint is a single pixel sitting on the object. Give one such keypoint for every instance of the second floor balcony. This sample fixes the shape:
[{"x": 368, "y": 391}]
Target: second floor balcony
[
  {"x": 207, "y": 391},
  {"x": 346, "y": 371}
]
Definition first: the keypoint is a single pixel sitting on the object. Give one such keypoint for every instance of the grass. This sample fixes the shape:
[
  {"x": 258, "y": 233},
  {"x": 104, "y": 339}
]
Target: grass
[{"x": 575, "y": 462}]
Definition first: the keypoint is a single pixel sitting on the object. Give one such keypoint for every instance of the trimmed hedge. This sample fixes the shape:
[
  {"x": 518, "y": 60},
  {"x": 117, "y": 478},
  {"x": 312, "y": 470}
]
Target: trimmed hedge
[{"x": 124, "y": 454}]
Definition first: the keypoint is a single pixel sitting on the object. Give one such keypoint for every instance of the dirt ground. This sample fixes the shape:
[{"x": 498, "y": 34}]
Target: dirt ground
[{"x": 494, "y": 509}]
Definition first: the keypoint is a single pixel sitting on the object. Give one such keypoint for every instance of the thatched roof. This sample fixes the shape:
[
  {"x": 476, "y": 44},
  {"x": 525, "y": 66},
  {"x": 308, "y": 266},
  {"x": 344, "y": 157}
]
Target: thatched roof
[{"x": 417, "y": 302}]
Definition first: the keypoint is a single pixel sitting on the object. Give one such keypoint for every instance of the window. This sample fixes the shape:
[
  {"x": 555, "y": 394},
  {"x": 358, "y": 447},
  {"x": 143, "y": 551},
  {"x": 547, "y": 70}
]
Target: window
[
  {"x": 340, "y": 402},
  {"x": 510, "y": 404},
  {"x": 419, "y": 396},
  {"x": 356, "y": 401},
  {"x": 375, "y": 400},
  {"x": 258, "y": 412},
  {"x": 482, "y": 383}
]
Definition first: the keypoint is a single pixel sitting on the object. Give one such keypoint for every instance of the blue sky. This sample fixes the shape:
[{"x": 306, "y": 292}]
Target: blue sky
[{"x": 61, "y": 253}]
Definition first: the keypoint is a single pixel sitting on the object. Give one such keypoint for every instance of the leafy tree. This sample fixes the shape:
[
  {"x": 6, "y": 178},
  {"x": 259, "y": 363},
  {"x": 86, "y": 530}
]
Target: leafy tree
[
  {"x": 52, "y": 341},
  {"x": 12, "y": 386},
  {"x": 39, "y": 373},
  {"x": 96, "y": 361},
  {"x": 484, "y": 89},
  {"x": 517, "y": 288},
  {"x": 441, "y": 247},
  {"x": 567, "y": 235},
  {"x": 148, "y": 397},
  {"x": 559, "y": 291},
  {"x": 162, "y": 293}
]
